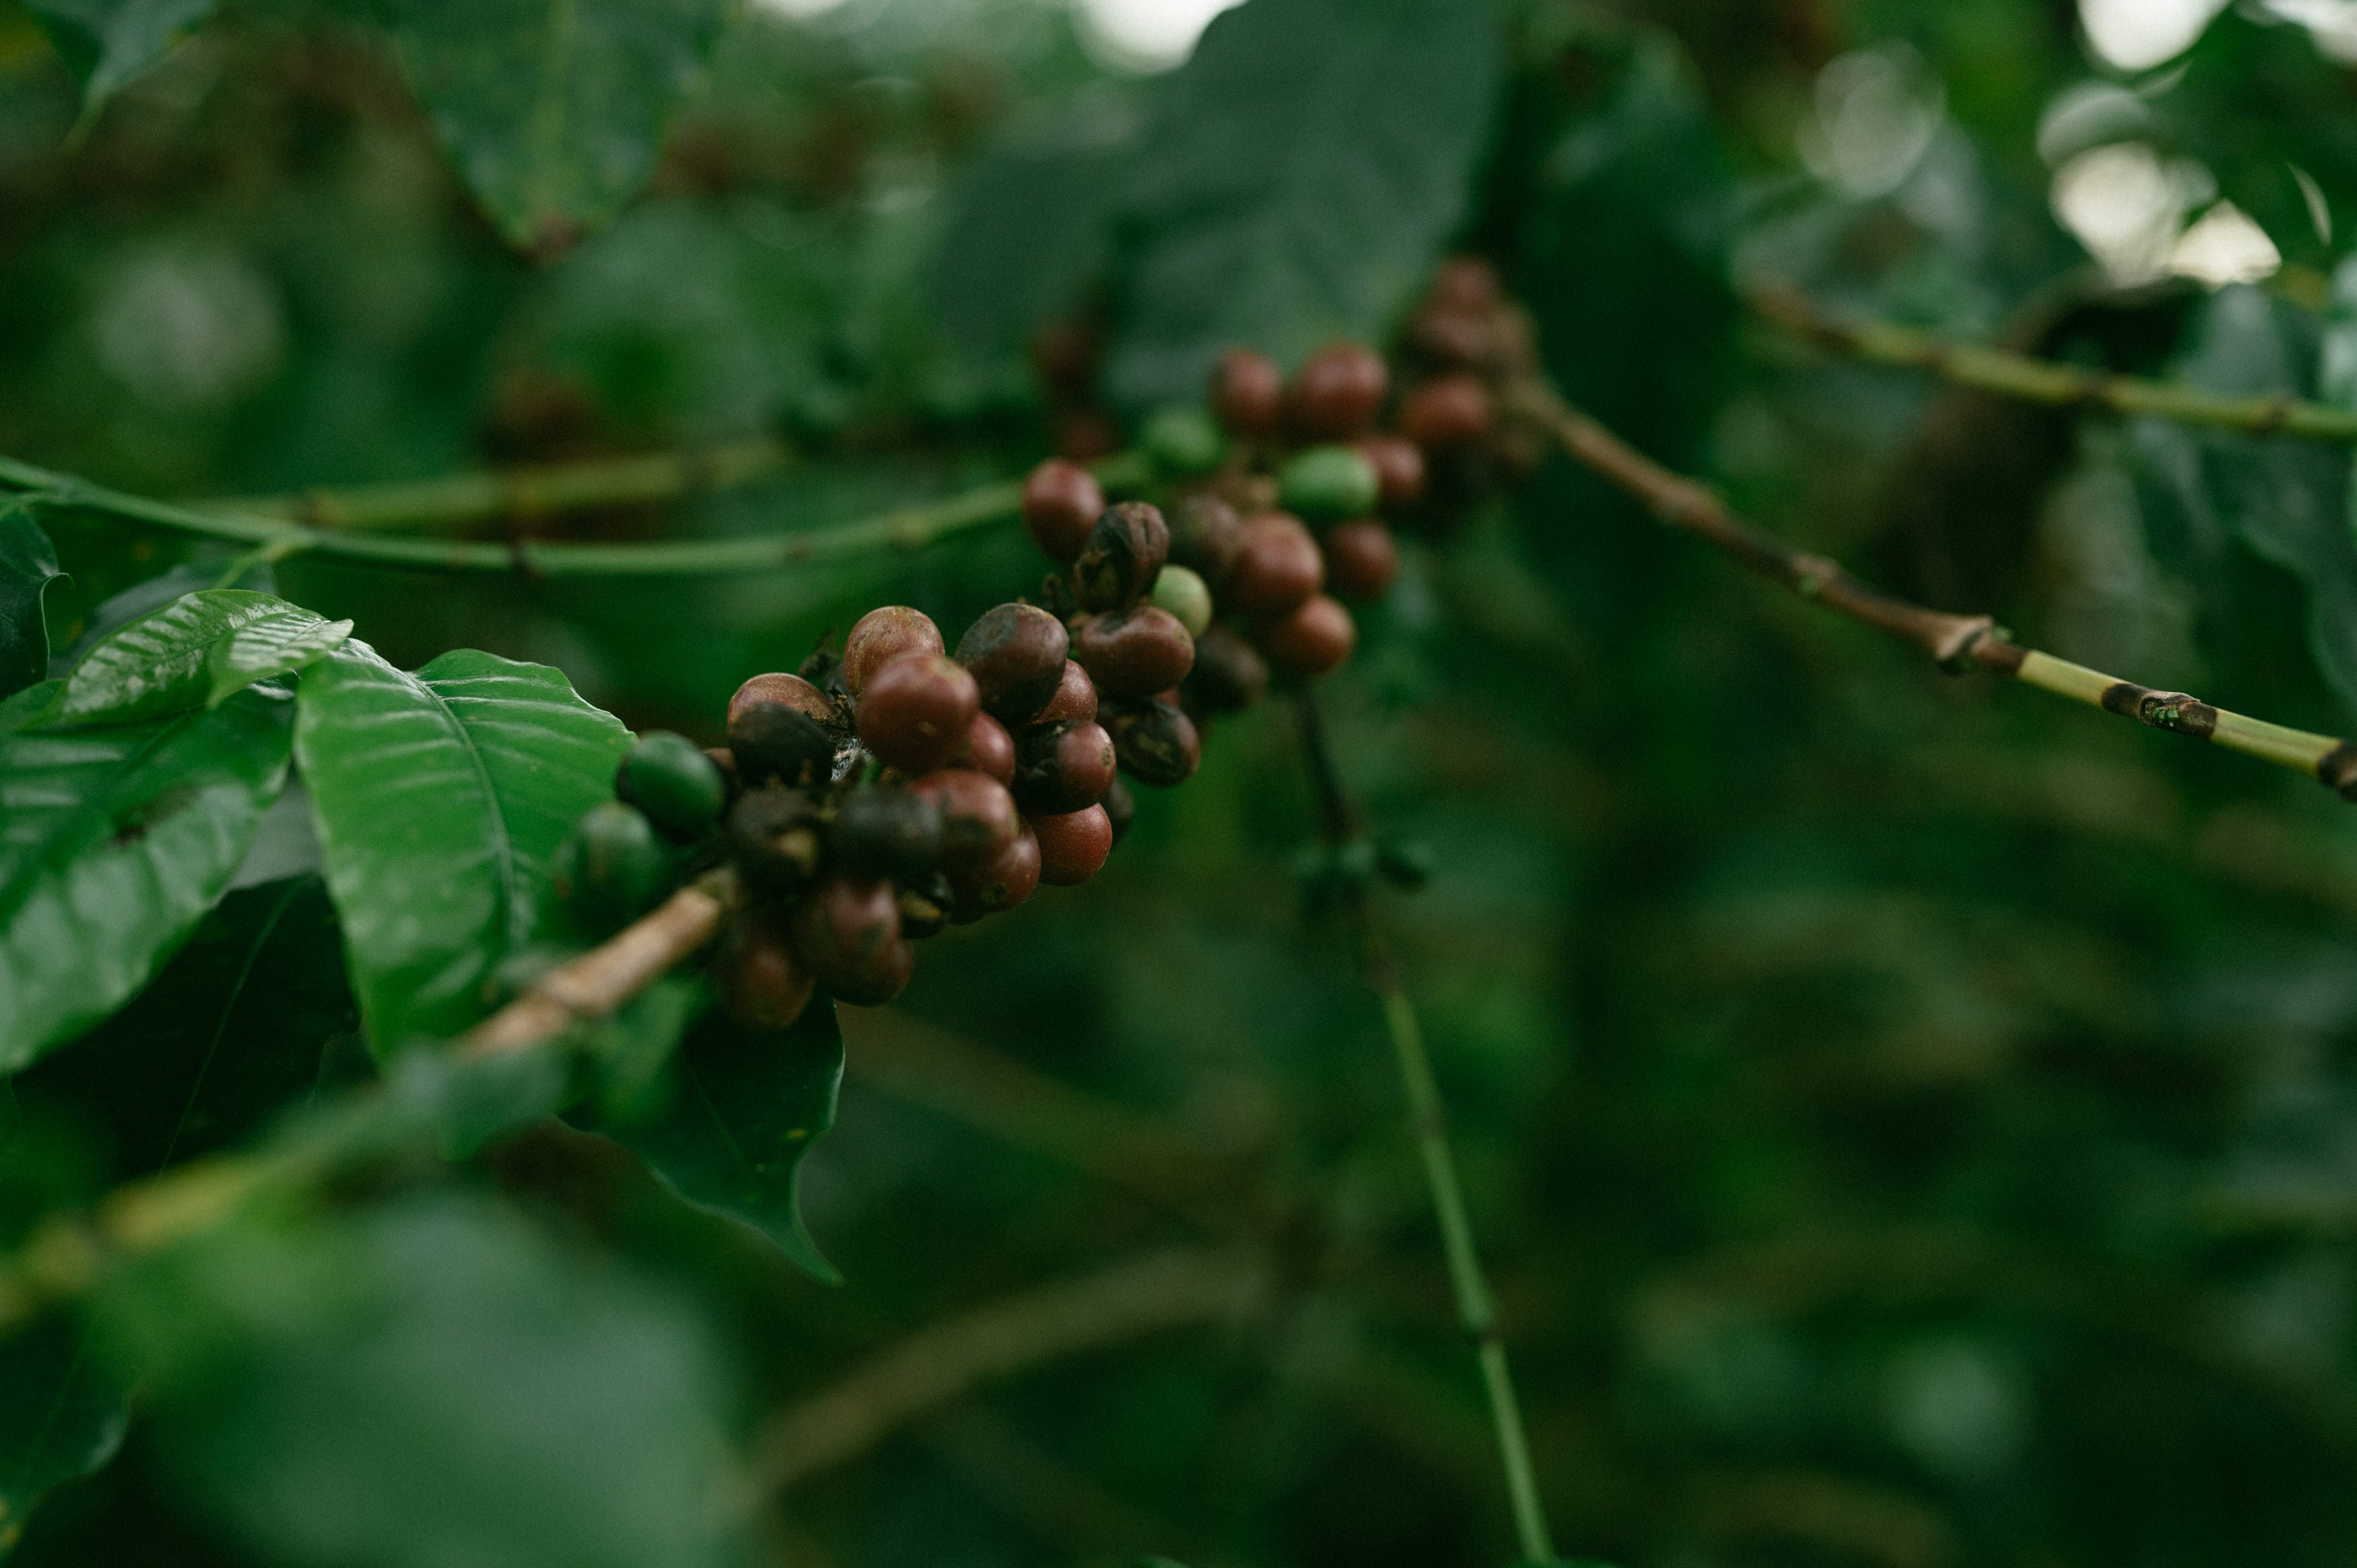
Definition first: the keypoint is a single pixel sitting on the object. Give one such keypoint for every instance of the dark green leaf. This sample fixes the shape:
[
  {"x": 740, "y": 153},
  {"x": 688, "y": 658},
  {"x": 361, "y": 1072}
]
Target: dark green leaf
[
  {"x": 1027, "y": 232},
  {"x": 439, "y": 797},
  {"x": 553, "y": 110},
  {"x": 108, "y": 42},
  {"x": 1297, "y": 179},
  {"x": 114, "y": 842},
  {"x": 121, "y": 609},
  {"x": 741, "y": 1107},
  {"x": 62, "y": 1416},
  {"x": 27, "y": 567},
  {"x": 195, "y": 652}
]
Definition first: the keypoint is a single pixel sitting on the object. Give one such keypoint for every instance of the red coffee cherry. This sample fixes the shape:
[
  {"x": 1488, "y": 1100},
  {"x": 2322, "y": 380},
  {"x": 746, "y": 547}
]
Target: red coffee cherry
[
  {"x": 849, "y": 933},
  {"x": 1062, "y": 767},
  {"x": 1278, "y": 566},
  {"x": 1337, "y": 392},
  {"x": 1062, "y": 501},
  {"x": 789, "y": 692},
  {"x": 881, "y": 635},
  {"x": 1073, "y": 848},
  {"x": 1124, "y": 550},
  {"x": 1000, "y": 883},
  {"x": 763, "y": 984},
  {"x": 988, "y": 749},
  {"x": 1451, "y": 340},
  {"x": 1399, "y": 469},
  {"x": 1085, "y": 435},
  {"x": 1311, "y": 639},
  {"x": 978, "y": 816},
  {"x": 1464, "y": 283},
  {"x": 1205, "y": 535},
  {"x": 1156, "y": 743},
  {"x": 917, "y": 711},
  {"x": 1362, "y": 559},
  {"x": 1016, "y": 653},
  {"x": 1229, "y": 675},
  {"x": 1247, "y": 394},
  {"x": 1075, "y": 699},
  {"x": 1446, "y": 411},
  {"x": 1133, "y": 652}
]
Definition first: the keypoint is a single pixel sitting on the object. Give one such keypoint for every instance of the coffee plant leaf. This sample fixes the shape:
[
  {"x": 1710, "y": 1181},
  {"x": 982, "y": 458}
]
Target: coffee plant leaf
[
  {"x": 199, "y": 650},
  {"x": 106, "y": 43},
  {"x": 435, "y": 1381},
  {"x": 1297, "y": 180},
  {"x": 120, "y": 609},
  {"x": 553, "y": 111},
  {"x": 63, "y": 1416},
  {"x": 439, "y": 797},
  {"x": 740, "y": 1109},
  {"x": 28, "y": 564},
  {"x": 114, "y": 842},
  {"x": 1027, "y": 232}
]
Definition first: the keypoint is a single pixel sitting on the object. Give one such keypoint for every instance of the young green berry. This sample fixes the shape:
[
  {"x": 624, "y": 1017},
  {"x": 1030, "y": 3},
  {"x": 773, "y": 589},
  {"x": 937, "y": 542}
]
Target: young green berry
[
  {"x": 1327, "y": 483},
  {"x": 1016, "y": 654},
  {"x": 1072, "y": 847},
  {"x": 778, "y": 839},
  {"x": 1310, "y": 639},
  {"x": 1125, "y": 550},
  {"x": 1182, "y": 593},
  {"x": 1135, "y": 652},
  {"x": 1156, "y": 743},
  {"x": 1230, "y": 675},
  {"x": 1278, "y": 566},
  {"x": 881, "y": 635},
  {"x": 849, "y": 934},
  {"x": 1337, "y": 392},
  {"x": 918, "y": 710},
  {"x": 1183, "y": 439},
  {"x": 670, "y": 778},
  {"x": 611, "y": 868},
  {"x": 1362, "y": 559},
  {"x": 1062, "y": 767},
  {"x": 1247, "y": 394},
  {"x": 763, "y": 984},
  {"x": 1062, "y": 501},
  {"x": 886, "y": 832}
]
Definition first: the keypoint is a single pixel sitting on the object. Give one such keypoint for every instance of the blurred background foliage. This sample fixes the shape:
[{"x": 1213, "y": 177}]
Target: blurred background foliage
[{"x": 1911, "y": 1123}]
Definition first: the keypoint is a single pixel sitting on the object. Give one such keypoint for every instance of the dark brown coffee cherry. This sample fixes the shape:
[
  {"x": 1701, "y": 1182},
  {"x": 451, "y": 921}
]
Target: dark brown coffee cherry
[
  {"x": 1337, "y": 392},
  {"x": 1156, "y": 743},
  {"x": 988, "y": 748},
  {"x": 1120, "y": 809},
  {"x": 1016, "y": 653},
  {"x": 1311, "y": 639},
  {"x": 1230, "y": 675},
  {"x": 917, "y": 711},
  {"x": 1135, "y": 652},
  {"x": 881, "y": 635},
  {"x": 1205, "y": 536},
  {"x": 1399, "y": 469},
  {"x": 978, "y": 816},
  {"x": 1445, "y": 412},
  {"x": 1062, "y": 501},
  {"x": 775, "y": 744},
  {"x": 925, "y": 908},
  {"x": 1073, "y": 848},
  {"x": 1278, "y": 568},
  {"x": 778, "y": 839},
  {"x": 848, "y": 934},
  {"x": 791, "y": 691},
  {"x": 1362, "y": 559},
  {"x": 726, "y": 761},
  {"x": 1247, "y": 394},
  {"x": 1062, "y": 767},
  {"x": 1000, "y": 883},
  {"x": 1075, "y": 700},
  {"x": 888, "y": 832},
  {"x": 1124, "y": 550},
  {"x": 764, "y": 984}
]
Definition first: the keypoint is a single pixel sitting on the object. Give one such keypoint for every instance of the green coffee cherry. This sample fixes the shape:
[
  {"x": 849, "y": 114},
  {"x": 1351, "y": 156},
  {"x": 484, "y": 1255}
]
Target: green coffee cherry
[
  {"x": 1182, "y": 593},
  {"x": 1184, "y": 438},
  {"x": 1327, "y": 484},
  {"x": 669, "y": 777},
  {"x": 612, "y": 868}
]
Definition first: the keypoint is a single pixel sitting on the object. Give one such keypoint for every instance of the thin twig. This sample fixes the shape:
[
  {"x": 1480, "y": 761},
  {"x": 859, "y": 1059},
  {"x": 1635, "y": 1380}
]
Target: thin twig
[
  {"x": 1429, "y": 1119},
  {"x": 1955, "y": 642}
]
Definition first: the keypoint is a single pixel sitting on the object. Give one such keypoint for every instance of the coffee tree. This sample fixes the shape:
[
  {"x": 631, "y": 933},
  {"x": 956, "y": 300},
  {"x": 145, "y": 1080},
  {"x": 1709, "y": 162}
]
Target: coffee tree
[{"x": 1133, "y": 599}]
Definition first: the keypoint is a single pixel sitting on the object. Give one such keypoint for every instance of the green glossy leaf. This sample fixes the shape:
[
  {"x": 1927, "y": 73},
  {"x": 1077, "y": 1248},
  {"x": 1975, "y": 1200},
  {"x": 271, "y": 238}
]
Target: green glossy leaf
[
  {"x": 738, "y": 1109},
  {"x": 62, "y": 1416},
  {"x": 438, "y": 797},
  {"x": 1028, "y": 229},
  {"x": 114, "y": 842},
  {"x": 1297, "y": 180},
  {"x": 553, "y": 110},
  {"x": 197, "y": 651},
  {"x": 106, "y": 43},
  {"x": 28, "y": 564}
]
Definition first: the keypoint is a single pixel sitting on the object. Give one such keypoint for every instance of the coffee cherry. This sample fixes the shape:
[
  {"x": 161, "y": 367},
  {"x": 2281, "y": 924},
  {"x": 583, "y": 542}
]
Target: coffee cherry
[
  {"x": 886, "y": 832},
  {"x": 773, "y": 742},
  {"x": 979, "y": 815},
  {"x": 1446, "y": 411},
  {"x": 1016, "y": 654},
  {"x": 999, "y": 883},
  {"x": 1135, "y": 652},
  {"x": 611, "y": 868},
  {"x": 792, "y": 692},
  {"x": 1064, "y": 355},
  {"x": 988, "y": 748},
  {"x": 763, "y": 983},
  {"x": 1247, "y": 394},
  {"x": 1075, "y": 698},
  {"x": 1062, "y": 767},
  {"x": 1229, "y": 675},
  {"x": 881, "y": 635},
  {"x": 1276, "y": 568},
  {"x": 1337, "y": 392},
  {"x": 724, "y": 761},
  {"x": 1463, "y": 283},
  {"x": 916, "y": 710},
  {"x": 925, "y": 908},
  {"x": 1120, "y": 809},
  {"x": 1399, "y": 469},
  {"x": 777, "y": 840},
  {"x": 1182, "y": 439},
  {"x": 1205, "y": 535},
  {"x": 1185, "y": 595},
  {"x": 1126, "y": 549},
  {"x": 669, "y": 777},
  {"x": 1361, "y": 559},
  {"x": 1311, "y": 639},
  {"x": 1072, "y": 847},
  {"x": 1062, "y": 502},
  {"x": 1326, "y": 483},
  {"x": 1449, "y": 339},
  {"x": 1156, "y": 743},
  {"x": 1085, "y": 435},
  {"x": 849, "y": 933}
]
